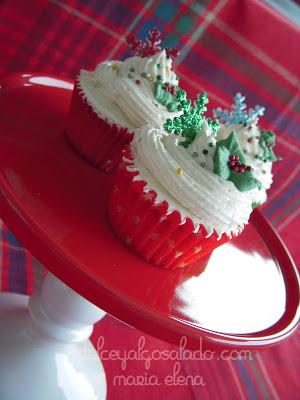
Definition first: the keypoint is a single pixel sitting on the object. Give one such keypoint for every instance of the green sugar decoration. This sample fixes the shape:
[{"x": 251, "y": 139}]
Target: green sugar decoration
[
  {"x": 266, "y": 143},
  {"x": 224, "y": 149},
  {"x": 190, "y": 122},
  {"x": 165, "y": 97}
]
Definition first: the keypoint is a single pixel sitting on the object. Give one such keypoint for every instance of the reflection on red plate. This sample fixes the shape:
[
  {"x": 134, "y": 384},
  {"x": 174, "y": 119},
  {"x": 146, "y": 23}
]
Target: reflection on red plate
[{"x": 246, "y": 293}]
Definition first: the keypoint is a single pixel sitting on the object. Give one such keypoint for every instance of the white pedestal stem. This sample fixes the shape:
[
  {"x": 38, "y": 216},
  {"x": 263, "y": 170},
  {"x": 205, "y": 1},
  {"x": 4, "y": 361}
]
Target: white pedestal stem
[{"x": 44, "y": 348}]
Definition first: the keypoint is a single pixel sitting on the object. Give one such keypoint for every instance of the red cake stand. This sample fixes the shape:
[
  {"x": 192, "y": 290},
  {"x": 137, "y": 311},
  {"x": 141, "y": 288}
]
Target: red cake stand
[{"x": 244, "y": 295}]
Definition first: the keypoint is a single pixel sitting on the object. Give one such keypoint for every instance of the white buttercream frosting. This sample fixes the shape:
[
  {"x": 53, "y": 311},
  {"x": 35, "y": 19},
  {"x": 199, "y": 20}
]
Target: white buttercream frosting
[
  {"x": 178, "y": 177},
  {"x": 123, "y": 92},
  {"x": 248, "y": 137}
]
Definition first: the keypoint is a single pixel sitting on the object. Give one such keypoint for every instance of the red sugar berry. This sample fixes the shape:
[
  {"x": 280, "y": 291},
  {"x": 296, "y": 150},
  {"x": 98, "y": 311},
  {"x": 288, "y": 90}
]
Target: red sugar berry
[
  {"x": 238, "y": 163},
  {"x": 232, "y": 157},
  {"x": 237, "y": 157},
  {"x": 248, "y": 168},
  {"x": 231, "y": 163},
  {"x": 241, "y": 170},
  {"x": 235, "y": 168},
  {"x": 249, "y": 140}
]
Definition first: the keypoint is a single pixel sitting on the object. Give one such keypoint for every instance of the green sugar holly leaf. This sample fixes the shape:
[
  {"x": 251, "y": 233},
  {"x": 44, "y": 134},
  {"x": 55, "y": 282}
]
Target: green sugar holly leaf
[
  {"x": 245, "y": 181},
  {"x": 221, "y": 166},
  {"x": 165, "y": 98},
  {"x": 225, "y": 148},
  {"x": 231, "y": 143},
  {"x": 266, "y": 143}
]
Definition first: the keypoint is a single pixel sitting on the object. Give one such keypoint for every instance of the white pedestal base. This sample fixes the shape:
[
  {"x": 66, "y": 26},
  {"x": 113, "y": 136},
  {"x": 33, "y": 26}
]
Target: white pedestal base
[{"x": 45, "y": 353}]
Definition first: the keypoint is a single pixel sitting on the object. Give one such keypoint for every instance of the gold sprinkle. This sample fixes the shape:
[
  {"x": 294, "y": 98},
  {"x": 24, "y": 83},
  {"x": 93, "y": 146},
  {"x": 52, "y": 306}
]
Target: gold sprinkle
[
  {"x": 168, "y": 69},
  {"x": 115, "y": 68},
  {"x": 179, "y": 171},
  {"x": 150, "y": 77}
]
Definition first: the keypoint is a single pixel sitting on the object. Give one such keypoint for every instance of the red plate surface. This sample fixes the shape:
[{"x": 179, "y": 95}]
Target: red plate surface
[{"x": 245, "y": 294}]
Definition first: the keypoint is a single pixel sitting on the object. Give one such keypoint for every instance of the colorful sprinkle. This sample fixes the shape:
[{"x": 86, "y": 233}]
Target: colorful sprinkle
[
  {"x": 205, "y": 151},
  {"x": 211, "y": 144},
  {"x": 138, "y": 82},
  {"x": 131, "y": 69},
  {"x": 143, "y": 74},
  {"x": 130, "y": 75},
  {"x": 195, "y": 154},
  {"x": 115, "y": 68},
  {"x": 158, "y": 65},
  {"x": 202, "y": 164},
  {"x": 158, "y": 77}
]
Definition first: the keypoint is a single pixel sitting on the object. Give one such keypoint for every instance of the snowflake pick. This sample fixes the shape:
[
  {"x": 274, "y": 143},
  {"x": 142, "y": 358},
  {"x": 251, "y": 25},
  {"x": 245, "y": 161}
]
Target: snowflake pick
[
  {"x": 239, "y": 114},
  {"x": 190, "y": 122},
  {"x": 151, "y": 46}
]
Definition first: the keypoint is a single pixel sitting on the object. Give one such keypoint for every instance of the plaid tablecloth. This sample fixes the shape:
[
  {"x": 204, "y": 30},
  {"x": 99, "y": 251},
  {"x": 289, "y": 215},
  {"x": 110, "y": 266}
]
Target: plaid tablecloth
[{"x": 226, "y": 46}]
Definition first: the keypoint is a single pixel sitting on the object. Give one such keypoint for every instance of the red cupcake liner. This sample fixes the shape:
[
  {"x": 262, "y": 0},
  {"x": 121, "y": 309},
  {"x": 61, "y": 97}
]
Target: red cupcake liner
[
  {"x": 145, "y": 227},
  {"x": 99, "y": 142}
]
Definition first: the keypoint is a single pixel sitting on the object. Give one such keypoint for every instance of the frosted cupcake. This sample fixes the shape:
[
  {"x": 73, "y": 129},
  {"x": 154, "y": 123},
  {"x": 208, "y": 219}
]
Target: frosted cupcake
[
  {"x": 110, "y": 102},
  {"x": 257, "y": 144},
  {"x": 176, "y": 195}
]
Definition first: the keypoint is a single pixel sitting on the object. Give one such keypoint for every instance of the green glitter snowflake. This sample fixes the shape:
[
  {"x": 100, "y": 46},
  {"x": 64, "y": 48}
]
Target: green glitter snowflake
[{"x": 190, "y": 122}]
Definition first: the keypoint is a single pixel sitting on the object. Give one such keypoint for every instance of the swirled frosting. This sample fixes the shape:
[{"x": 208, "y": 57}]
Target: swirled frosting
[
  {"x": 123, "y": 92},
  {"x": 248, "y": 137},
  {"x": 185, "y": 179}
]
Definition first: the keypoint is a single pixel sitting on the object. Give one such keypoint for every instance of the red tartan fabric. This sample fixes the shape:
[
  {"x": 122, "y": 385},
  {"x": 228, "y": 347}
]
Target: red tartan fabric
[{"x": 226, "y": 46}]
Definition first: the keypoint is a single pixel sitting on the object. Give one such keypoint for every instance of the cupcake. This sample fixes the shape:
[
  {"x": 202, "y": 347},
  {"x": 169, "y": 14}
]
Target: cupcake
[
  {"x": 257, "y": 144},
  {"x": 176, "y": 195},
  {"x": 117, "y": 97}
]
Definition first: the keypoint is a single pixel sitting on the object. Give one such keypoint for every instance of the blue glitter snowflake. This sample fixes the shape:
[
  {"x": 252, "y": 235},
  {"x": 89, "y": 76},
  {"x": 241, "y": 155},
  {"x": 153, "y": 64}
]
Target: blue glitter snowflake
[{"x": 239, "y": 115}]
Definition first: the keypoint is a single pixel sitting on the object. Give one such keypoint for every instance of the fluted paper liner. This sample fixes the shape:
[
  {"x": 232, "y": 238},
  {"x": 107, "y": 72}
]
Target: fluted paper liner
[
  {"x": 146, "y": 227},
  {"x": 99, "y": 142}
]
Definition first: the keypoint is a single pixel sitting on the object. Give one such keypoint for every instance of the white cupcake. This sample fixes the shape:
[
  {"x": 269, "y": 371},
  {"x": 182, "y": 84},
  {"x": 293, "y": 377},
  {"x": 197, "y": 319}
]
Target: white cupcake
[
  {"x": 110, "y": 102},
  {"x": 176, "y": 197}
]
